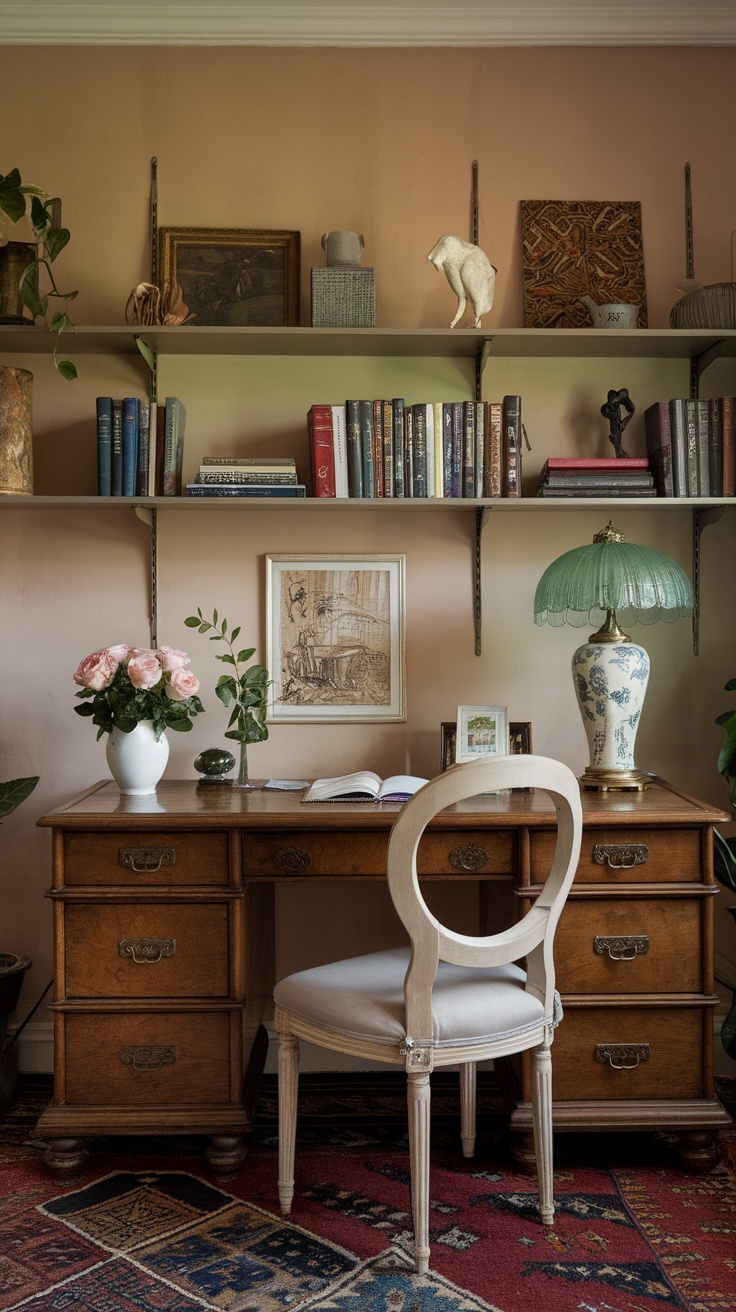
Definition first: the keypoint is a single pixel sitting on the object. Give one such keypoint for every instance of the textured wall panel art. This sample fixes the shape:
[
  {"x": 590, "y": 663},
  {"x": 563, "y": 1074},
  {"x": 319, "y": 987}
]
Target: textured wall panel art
[{"x": 574, "y": 248}]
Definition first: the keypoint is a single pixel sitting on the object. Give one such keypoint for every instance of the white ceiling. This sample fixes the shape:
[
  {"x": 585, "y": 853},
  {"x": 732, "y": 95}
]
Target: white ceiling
[{"x": 369, "y": 23}]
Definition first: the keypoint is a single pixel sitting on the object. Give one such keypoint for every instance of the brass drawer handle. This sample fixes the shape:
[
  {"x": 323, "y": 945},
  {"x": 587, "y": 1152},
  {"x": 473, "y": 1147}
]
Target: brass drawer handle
[
  {"x": 292, "y": 860},
  {"x": 621, "y": 947},
  {"x": 621, "y": 856},
  {"x": 622, "y": 1056},
  {"x": 146, "y": 860},
  {"x": 149, "y": 1058},
  {"x": 468, "y": 858},
  {"x": 146, "y": 951}
]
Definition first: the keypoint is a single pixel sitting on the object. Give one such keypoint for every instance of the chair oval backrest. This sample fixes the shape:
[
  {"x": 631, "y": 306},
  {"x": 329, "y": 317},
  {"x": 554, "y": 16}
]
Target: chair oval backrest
[{"x": 532, "y": 936}]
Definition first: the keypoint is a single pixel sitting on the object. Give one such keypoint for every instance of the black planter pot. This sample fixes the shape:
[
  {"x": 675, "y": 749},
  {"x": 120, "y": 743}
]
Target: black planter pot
[{"x": 12, "y": 972}]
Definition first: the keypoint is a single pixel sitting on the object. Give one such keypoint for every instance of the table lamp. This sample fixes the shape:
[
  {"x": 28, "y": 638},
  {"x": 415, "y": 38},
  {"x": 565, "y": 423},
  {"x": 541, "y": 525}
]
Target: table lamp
[{"x": 610, "y": 671}]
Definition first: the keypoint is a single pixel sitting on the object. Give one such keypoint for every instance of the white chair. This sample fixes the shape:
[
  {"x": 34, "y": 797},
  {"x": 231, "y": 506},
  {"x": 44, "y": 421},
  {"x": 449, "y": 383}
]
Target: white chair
[{"x": 452, "y": 999}]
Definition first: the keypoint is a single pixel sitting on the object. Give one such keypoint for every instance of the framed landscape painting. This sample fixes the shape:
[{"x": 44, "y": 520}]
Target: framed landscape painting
[
  {"x": 234, "y": 278},
  {"x": 336, "y": 637}
]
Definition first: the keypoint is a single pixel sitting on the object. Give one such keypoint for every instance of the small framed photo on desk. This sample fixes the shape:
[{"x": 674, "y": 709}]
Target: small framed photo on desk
[
  {"x": 520, "y": 740},
  {"x": 482, "y": 731}
]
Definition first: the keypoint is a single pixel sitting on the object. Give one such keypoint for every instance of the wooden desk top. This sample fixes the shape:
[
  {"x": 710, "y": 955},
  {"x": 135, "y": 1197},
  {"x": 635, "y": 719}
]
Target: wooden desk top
[{"x": 185, "y": 804}]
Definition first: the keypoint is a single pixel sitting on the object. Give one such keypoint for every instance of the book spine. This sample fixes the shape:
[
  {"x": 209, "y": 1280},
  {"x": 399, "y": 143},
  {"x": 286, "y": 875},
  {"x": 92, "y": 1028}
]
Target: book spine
[
  {"x": 600, "y": 462},
  {"x": 691, "y": 446},
  {"x": 679, "y": 446},
  {"x": 480, "y": 447},
  {"x": 597, "y": 492},
  {"x": 130, "y": 445},
  {"x": 387, "y": 430},
  {"x": 468, "y": 475},
  {"x": 398, "y": 409},
  {"x": 494, "y": 449},
  {"x": 321, "y": 450},
  {"x": 153, "y": 410},
  {"x": 355, "y": 457},
  {"x": 602, "y": 480},
  {"x": 365, "y": 411},
  {"x": 248, "y": 460},
  {"x": 419, "y": 468},
  {"x": 457, "y": 448},
  {"x": 244, "y": 490},
  {"x": 144, "y": 418},
  {"x": 512, "y": 446},
  {"x": 117, "y": 449},
  {"x": 172, "y": 445},
  {"x": 429, "y": 444},
  {"x": 659, "y": 445},
  {"x": 209, "y": 475},
  {"x": 409, "y": 451},
  {"x": 340, "y": 451},
  {"x": 378, "y": 448},
  {"x": 702, "y": 415},
  {"x": 104, "y": 446},
  {"x": 447, "y": 448},
  {"x": 715, "y": 446},
  {"x": 728, "y": 416},
  {"x": 439, "y": 449}
]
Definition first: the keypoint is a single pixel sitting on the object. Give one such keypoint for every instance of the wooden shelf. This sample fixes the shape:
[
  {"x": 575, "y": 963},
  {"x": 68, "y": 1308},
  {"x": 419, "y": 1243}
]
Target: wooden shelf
[{"x": 505, "y": 505}]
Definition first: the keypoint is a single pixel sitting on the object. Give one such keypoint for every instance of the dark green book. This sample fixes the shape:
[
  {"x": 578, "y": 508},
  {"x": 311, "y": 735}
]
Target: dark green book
[{"x": 355, "y": 459}]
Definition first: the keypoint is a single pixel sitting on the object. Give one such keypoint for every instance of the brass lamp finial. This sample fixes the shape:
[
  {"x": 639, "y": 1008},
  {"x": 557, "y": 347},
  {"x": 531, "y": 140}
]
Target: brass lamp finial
[{"x": 609, "y": 534}]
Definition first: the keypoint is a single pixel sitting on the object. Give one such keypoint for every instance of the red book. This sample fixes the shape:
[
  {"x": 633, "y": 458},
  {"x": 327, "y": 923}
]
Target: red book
[
  {"x": 321, "y": 450},
  {"x": 560, "y": 464},
  {"x": 728, "y": 412}
]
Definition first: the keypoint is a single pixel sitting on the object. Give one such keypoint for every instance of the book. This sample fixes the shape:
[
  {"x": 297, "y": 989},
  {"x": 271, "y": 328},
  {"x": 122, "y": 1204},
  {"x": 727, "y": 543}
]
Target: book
[
  {"x": 116, "y": 477},
  {"x": 511, "y": 446},
  {"x": 130, "y": 445},
  {"x": 174, "y": 424},
  {"x": 104, "y": 446},
  {"x": 679, "y": 446},
  {"x": 439, "y": 449},
  {"x": 610, "y": 478},
  {"x": 493, "y": 450},
  {"x": 457, "y": 449},
  {"x": 560, "y": 463},
  {"x": 367, "y": 438},
  {"x": 702, "y": 412},
  {"x": 261, "y": 462},
  {"x": 321, "y": 450},
  {"x": 408, "y": 451},
  {"x": 480, "y": 447},
  {"x": 340, "y": 451},
  {"x": 429, "y": 444},
  {"x": 387, "y": 430},
  {"x": 153, "y": 410},
  {"x": 468, "y": 454},
  {"x": 245, "y": 490},
  {"x": 447, "y": 448},
  {"x": 364, "y": 786},
  {"x": 692, "y": 465},
  {"x": 286, "y": 472},
  {"x": 728, "y": 420},
  {"x": 378, "y": 449},
  {"x": 419, "y": 450},
  {"x": 355, "y": 458},
  {"x": 160, "y": 431},
  {"x": 658, "y": 433},
  {"x": 398, "y": 443},
  {"x": 715, "y": 446},
  {"x": 606, "y": 491},
  {"x": 276, "y": 478},
  {"x": 144, "y": 419}
]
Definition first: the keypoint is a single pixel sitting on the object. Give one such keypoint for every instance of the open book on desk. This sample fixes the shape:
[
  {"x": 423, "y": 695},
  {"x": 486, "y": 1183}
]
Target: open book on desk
[{"x": 364, "y": 786}]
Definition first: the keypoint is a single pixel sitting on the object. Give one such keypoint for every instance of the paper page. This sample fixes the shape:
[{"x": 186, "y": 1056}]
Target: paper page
[{"x": 399, "y": 787}]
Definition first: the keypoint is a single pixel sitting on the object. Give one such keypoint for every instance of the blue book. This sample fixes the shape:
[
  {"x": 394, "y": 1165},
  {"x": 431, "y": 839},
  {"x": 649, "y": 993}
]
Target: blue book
[
  {"x": 355, "y": 459},
  {"x": 367, "y": 433},
  {"x": 104, "y": 446},
  {"x": 117, "y": 449},
  {"x": 245, "y": 490},
  {"x": 130, "y": 445},
  {"x": 144, "y": 415}
]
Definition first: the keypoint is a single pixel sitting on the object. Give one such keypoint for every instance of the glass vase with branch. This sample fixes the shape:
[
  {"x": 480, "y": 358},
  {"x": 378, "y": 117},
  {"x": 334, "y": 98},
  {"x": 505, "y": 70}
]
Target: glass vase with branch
[{"x": 244, "y": 690}]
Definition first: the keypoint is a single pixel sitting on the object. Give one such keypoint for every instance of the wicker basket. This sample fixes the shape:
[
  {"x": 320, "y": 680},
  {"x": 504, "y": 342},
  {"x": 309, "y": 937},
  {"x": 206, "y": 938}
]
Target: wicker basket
[{"x": 713, "y": 306}]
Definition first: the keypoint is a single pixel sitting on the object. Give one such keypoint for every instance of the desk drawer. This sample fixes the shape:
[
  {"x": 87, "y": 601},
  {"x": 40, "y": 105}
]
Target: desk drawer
[
  {"x": 628, "y": 1052},
  {"x": 639, "y": 945},
  {"x": 630, "y": 856},
  {"x": 148, "y": 1059},
  {"x": 146, "y": 860},
  {"x": 363, "y": 853},
  {"x": 153, "y": 950}
]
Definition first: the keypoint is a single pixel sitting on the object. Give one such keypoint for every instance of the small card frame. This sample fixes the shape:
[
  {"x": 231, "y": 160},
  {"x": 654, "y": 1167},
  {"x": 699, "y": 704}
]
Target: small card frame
[{"x": 520, "y": 740}]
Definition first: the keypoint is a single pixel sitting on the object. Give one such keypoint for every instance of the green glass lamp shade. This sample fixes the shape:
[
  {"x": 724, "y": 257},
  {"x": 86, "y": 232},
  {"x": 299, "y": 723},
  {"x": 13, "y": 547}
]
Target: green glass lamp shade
[{"x": 638, "y": 583}]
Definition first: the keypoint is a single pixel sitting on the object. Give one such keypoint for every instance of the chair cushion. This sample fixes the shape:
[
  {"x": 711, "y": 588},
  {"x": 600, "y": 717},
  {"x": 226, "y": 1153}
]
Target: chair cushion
[{"x": 364, "y": 997}]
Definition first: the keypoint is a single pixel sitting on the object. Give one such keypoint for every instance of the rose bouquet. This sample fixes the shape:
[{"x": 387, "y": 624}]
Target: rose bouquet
[{"x": 122, "y": 686}]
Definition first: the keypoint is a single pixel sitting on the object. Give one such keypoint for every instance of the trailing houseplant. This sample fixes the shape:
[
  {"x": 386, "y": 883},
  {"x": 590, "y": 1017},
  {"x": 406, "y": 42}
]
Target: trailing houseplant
[
  {"x": 20, "y": 199},
  {"x": 245, "y": 689}
]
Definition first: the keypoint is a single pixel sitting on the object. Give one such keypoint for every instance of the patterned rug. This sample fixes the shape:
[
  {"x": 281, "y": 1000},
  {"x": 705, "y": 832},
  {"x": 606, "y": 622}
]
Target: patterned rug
[{"x": 149, "y": 1229}]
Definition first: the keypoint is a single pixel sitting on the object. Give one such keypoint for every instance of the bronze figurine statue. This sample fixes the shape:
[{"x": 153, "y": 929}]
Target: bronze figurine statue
[{"x": 618, "y": 410}]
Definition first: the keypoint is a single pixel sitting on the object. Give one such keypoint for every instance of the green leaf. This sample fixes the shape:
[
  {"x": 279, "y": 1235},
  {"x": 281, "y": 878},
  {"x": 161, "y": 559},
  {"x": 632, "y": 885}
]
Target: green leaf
[
  {"x": 730, "y": 686},
  {"x": 84, "y": 710},
  {"x": 15, "y": 791},
  {"x": 39, "y": 217},
  {"x": 229, "y": 660},
  {"x": 29, "y": 292},
  {"x": 237, "y": 734},
  {"x": 180, "y": 726},
  {"x": 55, "y": 241},
  {"x": 214, "y": 617},
  {"x": 66, "y": 369},
  {"x": 246, "y": 654},
  {"x": 12, "y": 200},
  {"x": 234, "y": 633},
  {"x": 59, "y": 322},
  {"x": 204, "y": 628},
  {"x": 724, "y": 859},
  {"x": 192, "y": 622}
]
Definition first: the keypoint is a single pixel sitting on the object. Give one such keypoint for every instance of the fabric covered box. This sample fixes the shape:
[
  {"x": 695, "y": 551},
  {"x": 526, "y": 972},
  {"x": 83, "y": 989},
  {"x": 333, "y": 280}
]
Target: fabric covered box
[{"x": 343, "y": 298}]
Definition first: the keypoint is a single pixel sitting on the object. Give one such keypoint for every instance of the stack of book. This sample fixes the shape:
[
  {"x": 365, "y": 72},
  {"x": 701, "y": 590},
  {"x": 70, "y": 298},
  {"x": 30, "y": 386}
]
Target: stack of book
[
  {"x": 692, "y": 446},
  {"x": 236, "y": 476},
  {"x": 140, "y": 447},
  {"x": 434, "y": 449},
  {"x": 622, "y": 476}
]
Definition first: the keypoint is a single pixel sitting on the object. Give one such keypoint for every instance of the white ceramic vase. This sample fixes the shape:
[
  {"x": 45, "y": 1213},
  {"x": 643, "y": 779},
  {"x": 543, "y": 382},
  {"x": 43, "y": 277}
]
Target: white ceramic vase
[
  {"x": 136, "y": 760},
  {"x": 610, "y": 683}
]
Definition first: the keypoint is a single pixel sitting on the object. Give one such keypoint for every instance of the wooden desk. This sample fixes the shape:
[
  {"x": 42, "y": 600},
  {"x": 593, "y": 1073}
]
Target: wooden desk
[{"x": 164, "y": 934}]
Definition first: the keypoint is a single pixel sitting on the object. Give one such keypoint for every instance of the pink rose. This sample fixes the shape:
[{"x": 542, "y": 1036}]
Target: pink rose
[
  {"x": 144, "y": 669},
  {"x": 120, "y": 652},
  {"x": 171, "y": 659},
  {"x": 98, "y": 670},
  {"x": 184, "y": 682}
]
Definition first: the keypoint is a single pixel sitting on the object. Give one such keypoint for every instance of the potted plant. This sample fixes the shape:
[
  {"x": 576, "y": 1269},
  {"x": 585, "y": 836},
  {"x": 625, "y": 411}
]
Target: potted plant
[
  {"x": 724, "y": 849},
  {"x": 20, "y": 199},
  {"x": 12, "y": 966},
  {"x": 245, "y": 689}
]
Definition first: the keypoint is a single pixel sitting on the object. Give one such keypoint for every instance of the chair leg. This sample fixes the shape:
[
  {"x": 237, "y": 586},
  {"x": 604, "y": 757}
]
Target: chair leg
[
  {"x": 418, "y": 1100},
  {"x": 288, "y": 1080},
  {"x": 542, "y": 1121},
  {"x": 468, "y": 1084}
]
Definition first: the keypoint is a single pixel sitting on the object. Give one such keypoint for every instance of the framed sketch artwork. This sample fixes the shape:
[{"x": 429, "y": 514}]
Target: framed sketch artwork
[
  {"x": 234, "y": 278},
  {"x": 335, "y": 637}
]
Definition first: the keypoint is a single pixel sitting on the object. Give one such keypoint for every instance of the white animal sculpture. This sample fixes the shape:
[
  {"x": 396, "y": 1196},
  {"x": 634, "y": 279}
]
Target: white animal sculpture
[{"x": 469, "y": 272}]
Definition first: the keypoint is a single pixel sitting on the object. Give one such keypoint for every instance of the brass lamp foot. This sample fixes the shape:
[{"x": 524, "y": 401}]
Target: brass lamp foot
[{"x": 607, "y": 779}]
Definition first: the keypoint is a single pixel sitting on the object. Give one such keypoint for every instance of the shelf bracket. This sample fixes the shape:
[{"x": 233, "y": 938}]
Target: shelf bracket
[
  {"x": 482, "y": 514},
  {"x": 151, "y": 359},
  {"x": 148, "y": 516},
  {"x": 701, "y": 519},
  {"x": 480, "y": 364}
]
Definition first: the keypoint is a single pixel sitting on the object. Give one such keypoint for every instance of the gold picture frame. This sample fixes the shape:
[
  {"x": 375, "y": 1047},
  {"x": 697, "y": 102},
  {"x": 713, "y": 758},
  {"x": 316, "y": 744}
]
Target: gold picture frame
[
  {"x": 234, "y": 277},
  {"x": 520, "y": 740},
  {"x": 335, "y": 637}
]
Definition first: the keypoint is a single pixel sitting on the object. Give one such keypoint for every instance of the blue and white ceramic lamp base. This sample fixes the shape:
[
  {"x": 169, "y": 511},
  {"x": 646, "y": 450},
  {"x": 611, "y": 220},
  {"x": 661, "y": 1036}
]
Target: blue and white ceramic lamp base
[{"x": 610, "y": 681}]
